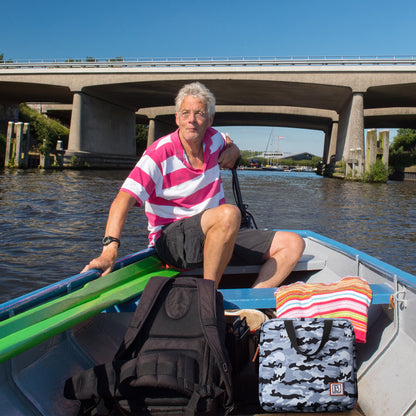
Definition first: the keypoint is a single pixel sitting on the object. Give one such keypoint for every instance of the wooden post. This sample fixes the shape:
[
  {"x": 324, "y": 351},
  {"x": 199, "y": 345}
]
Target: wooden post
[
  {"x": 384, "y": 146},
  {"x": 26, "y": 145},
  {"x": 19, "y": 142},
  {"x": 9, "y": 144},
  {"x": 371, "y": 153}
]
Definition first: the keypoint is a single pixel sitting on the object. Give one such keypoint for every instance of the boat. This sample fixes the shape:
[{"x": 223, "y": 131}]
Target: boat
[
  {"x": 48, "y": 335},
  {"x": 273, "y": 167}
]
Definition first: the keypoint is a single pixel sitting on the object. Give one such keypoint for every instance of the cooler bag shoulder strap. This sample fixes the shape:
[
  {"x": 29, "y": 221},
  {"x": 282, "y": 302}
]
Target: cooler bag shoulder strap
[
  {"x": 290, "y": 329},
  {"x": 148, "y": 298}
]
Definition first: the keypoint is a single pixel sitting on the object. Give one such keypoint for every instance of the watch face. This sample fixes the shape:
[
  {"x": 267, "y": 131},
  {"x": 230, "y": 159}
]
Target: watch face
[{"x": 107, "y": 240}]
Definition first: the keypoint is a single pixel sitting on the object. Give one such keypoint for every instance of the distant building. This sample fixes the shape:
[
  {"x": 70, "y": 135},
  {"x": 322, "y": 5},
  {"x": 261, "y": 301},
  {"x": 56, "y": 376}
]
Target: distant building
[{"x": 300, "y": 156}]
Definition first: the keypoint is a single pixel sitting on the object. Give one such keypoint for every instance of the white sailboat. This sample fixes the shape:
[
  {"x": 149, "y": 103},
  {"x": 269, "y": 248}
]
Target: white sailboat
[{"x": 273, "y": 156}]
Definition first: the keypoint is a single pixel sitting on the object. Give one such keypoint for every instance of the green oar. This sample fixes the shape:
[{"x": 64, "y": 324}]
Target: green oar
[{"x": 31, "y": 327}]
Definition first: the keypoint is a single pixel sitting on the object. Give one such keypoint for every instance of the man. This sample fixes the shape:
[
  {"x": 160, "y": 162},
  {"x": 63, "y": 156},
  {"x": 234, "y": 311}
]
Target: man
[{"x": 178, "y": 180}]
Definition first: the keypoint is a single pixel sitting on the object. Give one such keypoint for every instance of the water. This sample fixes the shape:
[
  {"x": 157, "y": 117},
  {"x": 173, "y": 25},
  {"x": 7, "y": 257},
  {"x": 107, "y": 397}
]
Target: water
[{"x": 52, "y": 223}]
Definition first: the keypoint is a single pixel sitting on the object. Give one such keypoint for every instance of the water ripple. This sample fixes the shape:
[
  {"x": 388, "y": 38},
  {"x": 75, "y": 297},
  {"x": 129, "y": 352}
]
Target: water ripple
[{"x": 51, "y": 223}]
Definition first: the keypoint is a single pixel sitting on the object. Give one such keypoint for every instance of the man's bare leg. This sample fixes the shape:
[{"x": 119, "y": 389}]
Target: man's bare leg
[
  {"x": 220, "y": 226},
  {"x": 285, "y": 251}
]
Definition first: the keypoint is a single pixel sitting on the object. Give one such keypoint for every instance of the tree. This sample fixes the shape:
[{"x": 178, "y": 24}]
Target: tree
[
  {"x": 141, "y": 138},
  {"x": 403, "y": 150},
  {"x": 46, "y": 131}
]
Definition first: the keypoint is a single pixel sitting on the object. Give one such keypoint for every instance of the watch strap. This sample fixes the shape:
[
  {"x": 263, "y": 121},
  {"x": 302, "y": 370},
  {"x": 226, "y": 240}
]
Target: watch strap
[{"x": 108, "y": 239}]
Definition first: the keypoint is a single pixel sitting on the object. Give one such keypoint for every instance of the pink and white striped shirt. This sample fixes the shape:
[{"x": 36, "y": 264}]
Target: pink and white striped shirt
[{"x": 170, "y": 187}]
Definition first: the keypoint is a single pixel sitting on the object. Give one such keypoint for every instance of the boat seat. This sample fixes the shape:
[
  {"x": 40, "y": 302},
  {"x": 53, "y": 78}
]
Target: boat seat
[
  {"x": 306, "y": 263},
  {"x": 249, "y": 298}
]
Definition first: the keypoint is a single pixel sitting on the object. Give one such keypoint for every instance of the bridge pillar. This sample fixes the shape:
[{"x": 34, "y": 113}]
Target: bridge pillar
[
  {"x": 151, "y": 132},
  {"x": 350, "y": 143},
  {"x": 101, "y": 132},
  {"x": 158, "y": 129},
  {"x": 330, "y": 146}
]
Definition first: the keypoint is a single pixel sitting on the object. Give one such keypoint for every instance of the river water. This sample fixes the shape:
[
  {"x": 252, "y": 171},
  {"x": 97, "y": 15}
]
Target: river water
[{"x": 52, "y": 222}]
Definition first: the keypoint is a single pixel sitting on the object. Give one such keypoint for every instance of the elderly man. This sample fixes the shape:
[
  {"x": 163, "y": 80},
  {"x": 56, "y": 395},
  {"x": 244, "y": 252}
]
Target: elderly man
[{"x": 178, "y": 179}]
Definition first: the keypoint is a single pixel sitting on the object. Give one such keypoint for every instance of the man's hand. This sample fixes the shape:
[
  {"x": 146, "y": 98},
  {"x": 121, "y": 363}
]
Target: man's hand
[
  {"x": 229, "y": 155},
  {"x": 106, "y": 260}
]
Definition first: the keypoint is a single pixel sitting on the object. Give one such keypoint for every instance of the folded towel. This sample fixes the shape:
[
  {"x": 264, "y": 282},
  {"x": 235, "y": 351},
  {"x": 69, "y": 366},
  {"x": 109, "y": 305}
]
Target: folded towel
[{"x": 349, "y": 298}]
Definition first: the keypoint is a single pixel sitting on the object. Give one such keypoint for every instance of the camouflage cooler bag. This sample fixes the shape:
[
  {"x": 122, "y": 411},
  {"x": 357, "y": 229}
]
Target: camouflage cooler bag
[{"x": 307, "y": 365}]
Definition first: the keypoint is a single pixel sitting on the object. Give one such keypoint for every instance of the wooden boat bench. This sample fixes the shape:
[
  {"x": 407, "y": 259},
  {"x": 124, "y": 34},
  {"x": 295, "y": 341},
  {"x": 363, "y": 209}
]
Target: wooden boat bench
[{"x": 248, "y": 298}]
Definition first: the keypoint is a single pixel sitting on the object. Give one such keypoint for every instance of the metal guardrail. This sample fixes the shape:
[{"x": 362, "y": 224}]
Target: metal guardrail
[{"x": 211, "y": 62}]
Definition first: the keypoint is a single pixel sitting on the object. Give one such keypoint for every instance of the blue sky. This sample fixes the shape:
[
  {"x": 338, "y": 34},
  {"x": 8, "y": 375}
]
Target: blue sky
[{"x": 46, "y": 29}]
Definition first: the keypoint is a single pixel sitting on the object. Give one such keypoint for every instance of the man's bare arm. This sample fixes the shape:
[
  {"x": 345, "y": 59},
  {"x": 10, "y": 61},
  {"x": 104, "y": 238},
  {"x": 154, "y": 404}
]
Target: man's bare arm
[
  {"x": 230, "y": 155},
  {"x": 115, "y": 224}
]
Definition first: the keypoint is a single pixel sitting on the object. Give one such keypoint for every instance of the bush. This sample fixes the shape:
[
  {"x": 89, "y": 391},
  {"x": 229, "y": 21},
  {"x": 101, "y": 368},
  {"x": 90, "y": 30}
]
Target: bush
[
  {"x": 377, "y": 173},
  {"x": 3, "y": 141},
  {"x": 46, "y": 131}
]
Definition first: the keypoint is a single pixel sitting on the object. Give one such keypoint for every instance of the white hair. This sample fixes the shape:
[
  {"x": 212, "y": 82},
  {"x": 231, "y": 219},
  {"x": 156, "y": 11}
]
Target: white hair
[{"x": 196, "y": 90}]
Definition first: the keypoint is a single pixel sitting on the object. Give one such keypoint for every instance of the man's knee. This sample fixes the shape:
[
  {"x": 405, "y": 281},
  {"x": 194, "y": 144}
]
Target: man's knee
[
  {"x": 226, "y": 216},
  {"x": 230, "y": 213},
  {"x": 296, "y": 242},
  {"x": 293, "y": 242}
]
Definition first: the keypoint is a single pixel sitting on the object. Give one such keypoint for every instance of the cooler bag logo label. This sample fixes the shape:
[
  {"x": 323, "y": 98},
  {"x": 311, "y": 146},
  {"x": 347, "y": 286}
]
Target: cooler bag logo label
[{"x": 336, "y": 389}]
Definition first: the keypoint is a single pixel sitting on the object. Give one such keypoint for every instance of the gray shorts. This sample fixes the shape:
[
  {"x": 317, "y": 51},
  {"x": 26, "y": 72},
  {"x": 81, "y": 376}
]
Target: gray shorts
[{"x": 181, "y": 244}]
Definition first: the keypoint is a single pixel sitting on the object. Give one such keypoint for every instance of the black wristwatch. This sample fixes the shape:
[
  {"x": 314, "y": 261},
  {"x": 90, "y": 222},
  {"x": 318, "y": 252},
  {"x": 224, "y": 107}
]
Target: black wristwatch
[{"x": 108, "y": 239}]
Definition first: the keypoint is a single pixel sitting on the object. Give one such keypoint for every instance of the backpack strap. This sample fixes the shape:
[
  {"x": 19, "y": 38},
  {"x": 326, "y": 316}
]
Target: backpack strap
[
  {"x": 149, "y": 296},
  {"x": 208, "y": 298}
]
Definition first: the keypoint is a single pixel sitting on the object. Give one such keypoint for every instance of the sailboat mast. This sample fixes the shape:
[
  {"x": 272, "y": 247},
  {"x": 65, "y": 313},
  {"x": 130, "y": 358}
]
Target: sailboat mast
[{"x": 277, "y": 154}]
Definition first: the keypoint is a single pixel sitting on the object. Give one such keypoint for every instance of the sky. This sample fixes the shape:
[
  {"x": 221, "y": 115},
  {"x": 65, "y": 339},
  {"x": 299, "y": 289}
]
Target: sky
[{"x": 46, "y": 29}]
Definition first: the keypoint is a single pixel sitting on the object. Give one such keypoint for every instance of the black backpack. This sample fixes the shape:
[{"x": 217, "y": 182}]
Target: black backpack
[{"x": 172, "y": 361}]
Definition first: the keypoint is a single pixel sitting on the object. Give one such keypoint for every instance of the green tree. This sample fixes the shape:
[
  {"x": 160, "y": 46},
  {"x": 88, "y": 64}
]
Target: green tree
[
  {"x": 3, "y": 141},
  {"x": 142, "y": 131},
  {"x": 403, "y": 150}
]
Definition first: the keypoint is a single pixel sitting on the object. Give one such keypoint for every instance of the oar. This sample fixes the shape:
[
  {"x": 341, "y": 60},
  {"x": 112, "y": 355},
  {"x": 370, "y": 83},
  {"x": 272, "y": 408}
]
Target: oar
[{"x": 31, "y": 327}]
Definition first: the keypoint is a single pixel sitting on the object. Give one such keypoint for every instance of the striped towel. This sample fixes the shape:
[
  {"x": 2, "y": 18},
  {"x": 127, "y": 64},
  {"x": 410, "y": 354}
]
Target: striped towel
[{"x": 349, "y": 298}]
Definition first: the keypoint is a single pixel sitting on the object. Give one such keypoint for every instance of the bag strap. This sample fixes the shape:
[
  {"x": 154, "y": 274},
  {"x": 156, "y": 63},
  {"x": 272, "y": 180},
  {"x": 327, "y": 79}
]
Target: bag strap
[
  {"x": 148, "y": 298},
  {"x": 208, "y": 297},
  {"x": 290, "y": 329}
]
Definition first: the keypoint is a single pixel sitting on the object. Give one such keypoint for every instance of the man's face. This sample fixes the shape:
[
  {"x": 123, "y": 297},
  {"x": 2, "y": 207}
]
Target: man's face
[{"x": 193, "y": 119}]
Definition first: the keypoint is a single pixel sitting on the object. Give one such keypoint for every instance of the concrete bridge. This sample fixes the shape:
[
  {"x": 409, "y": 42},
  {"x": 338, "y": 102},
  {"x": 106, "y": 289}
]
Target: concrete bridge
[{"x": 340, "y": 97}]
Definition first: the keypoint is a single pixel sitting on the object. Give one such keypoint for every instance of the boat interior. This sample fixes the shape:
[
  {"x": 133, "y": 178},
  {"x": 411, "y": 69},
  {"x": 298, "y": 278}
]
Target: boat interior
[{"x": 32, "y": 382}]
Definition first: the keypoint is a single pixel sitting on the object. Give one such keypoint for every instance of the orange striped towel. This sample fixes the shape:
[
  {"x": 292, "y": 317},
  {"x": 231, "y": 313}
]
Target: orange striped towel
[{"x": 349, "y": 298}]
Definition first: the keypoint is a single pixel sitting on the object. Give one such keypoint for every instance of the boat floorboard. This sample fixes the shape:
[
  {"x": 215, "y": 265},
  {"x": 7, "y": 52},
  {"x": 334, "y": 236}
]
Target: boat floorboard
[{"x": 354, "y": 412}]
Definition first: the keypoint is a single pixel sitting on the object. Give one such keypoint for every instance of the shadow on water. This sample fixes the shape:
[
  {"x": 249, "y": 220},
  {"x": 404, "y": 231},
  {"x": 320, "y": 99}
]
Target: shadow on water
[{"x": 51, "y": 223}]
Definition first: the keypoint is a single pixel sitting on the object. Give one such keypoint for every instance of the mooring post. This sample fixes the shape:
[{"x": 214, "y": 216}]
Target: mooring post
[
  {"x": 59, "y": 154},
  {"x": 9, "y": 144},
  {"x": 19, "y": 142},
  {"x": 26, "y": 144},
  {"x": 383, "y": 139},
  {"x": 371, "y": 155}
]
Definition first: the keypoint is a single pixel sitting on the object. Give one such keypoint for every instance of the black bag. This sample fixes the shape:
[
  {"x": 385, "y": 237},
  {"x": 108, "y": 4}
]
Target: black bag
[{"x": 172, "y": 361}]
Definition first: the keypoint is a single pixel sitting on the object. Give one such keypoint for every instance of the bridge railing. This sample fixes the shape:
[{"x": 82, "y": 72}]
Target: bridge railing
[{"x": 210, "y": 62}]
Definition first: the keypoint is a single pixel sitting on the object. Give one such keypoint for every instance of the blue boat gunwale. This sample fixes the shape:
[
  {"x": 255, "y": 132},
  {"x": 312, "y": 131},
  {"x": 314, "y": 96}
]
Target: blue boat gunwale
[
  {"x": 77, "y": 281},
  {"x": 393, "y": 272}
]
